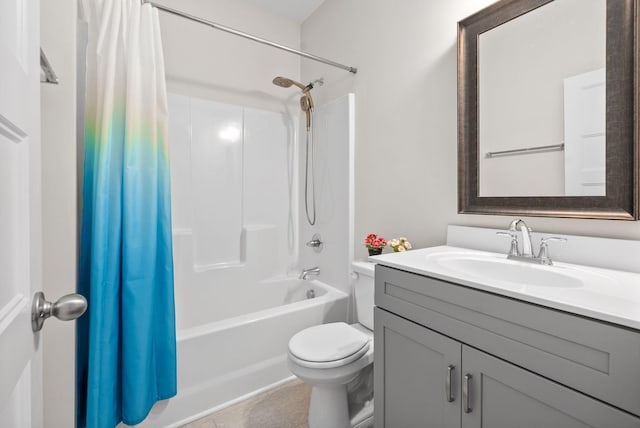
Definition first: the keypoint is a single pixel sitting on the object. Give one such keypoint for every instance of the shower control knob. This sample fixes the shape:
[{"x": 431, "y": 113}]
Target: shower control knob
[
  {"x": 315, "y": 243},
  {"x": 67, "y": 308}
]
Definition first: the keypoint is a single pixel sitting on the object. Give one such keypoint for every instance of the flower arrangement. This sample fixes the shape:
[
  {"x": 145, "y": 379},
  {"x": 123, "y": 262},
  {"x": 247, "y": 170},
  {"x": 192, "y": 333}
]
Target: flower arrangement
[
  {"x": 400, "y": 244},
  {"x": 375, "y": 244}
]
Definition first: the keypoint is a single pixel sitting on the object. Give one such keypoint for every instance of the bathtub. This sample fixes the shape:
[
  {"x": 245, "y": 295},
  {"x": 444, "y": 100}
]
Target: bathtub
[{"x": 226, "y": 361}]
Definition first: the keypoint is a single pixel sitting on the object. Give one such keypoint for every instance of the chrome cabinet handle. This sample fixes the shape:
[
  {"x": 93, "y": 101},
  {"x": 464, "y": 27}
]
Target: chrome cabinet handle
[
  {"x": 466, "y": 393},
  {"x": 450, "y": 397}
]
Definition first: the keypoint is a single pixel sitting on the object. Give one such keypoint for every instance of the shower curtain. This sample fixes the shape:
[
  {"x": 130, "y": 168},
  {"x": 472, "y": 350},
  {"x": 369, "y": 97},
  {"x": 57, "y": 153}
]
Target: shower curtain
[{"x": 126, "y": 344}]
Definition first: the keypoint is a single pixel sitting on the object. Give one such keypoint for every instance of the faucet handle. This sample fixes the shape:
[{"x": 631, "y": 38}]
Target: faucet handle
[
  {"x": 543, "y": 255},
  {"x": 513, "y": 250},
  {"x": 316, "y": 243},
  {"x": 553, "y": 238}
]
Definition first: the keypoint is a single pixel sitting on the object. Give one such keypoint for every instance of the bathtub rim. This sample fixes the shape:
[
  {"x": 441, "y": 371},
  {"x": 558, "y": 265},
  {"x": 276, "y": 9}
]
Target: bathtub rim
[{"x": 332, "y": 294}]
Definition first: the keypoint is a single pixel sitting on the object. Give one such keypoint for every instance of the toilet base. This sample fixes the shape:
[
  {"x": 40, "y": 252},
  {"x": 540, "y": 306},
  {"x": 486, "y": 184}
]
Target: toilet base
[
  {"x": 328, "y": 407},
  {"x": 344, "y": 405}
]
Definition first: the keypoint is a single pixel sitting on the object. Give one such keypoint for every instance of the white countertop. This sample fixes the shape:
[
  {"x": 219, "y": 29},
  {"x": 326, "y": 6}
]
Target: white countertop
[{"x": 606, "y": 294}]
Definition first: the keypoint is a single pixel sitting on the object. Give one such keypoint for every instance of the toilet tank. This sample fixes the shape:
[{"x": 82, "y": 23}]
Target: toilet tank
[{"x": 363, "y": 288}]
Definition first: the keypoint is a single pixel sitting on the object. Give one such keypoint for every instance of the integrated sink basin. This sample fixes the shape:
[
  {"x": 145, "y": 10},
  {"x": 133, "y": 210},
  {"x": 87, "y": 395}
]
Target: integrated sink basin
[{"x": 517, "y": 274}]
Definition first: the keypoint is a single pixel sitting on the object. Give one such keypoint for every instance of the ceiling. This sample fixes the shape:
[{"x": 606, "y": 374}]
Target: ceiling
[{"x": 296, "y": 10}]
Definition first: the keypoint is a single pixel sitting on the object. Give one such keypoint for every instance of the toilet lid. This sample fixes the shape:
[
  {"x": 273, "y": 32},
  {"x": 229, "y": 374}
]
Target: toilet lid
[{"x": 328, "y": 342}]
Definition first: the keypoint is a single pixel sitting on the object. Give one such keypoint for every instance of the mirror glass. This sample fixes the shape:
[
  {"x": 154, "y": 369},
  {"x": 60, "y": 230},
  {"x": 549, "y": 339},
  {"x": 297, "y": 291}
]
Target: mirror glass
[{"x": 541, "y": 102}]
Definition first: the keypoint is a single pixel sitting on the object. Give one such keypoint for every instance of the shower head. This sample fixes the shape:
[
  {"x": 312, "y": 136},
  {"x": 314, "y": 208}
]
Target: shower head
[
  {"x": 306, "y": 102},
  {"x": 284, "y": 82}
]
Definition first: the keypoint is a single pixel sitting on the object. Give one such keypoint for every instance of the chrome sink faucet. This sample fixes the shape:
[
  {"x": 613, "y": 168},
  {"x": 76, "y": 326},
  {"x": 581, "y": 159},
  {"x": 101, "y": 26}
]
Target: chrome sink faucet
[
  {"x": 312, "y": 271},
  {"x": 527, "y": 254}
]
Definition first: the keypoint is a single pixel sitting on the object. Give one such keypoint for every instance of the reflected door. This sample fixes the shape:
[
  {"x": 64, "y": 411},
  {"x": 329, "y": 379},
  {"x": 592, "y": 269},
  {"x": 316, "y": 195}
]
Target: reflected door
[{"x": 584, "y": 134}]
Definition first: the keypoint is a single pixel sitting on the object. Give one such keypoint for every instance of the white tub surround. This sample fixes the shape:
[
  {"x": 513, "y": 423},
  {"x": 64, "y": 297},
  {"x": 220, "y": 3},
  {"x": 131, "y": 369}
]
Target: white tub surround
[
  {"x": 208, "y": 295},
  {"x": 233, "y": 170},
  {"x": 233, "y": 228},
  {"x": 334, "y": 143}
]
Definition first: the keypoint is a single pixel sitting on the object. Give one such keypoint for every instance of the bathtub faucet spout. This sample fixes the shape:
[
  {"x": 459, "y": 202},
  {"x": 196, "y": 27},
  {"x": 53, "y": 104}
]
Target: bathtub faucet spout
[{"x": 312, "y": 271}]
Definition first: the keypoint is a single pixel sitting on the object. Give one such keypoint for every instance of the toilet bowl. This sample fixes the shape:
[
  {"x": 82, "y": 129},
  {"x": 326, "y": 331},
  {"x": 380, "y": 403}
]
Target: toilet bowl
[{"x": 335, "y": 360}]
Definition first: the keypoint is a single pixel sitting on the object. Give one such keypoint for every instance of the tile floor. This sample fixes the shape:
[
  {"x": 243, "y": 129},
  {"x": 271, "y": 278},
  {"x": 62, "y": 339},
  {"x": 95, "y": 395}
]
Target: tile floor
[{"x": 286, "y": 406}]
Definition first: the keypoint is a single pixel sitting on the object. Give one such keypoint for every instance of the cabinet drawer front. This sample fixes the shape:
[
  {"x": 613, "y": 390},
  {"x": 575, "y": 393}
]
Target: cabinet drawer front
[
  {"x": 505, "y": 396},
  {"x": 597, "y": 358}
]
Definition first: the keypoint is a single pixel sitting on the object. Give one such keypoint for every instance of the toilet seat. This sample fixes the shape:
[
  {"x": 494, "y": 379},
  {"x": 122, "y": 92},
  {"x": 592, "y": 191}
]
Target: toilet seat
[{"x": 328, "y": 345}]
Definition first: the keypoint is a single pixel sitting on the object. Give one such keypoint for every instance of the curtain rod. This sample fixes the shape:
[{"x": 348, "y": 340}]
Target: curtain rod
[{"x": 251, "y": 37}]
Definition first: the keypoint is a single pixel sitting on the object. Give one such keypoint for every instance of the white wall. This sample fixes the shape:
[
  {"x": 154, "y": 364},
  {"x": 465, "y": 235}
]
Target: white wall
[
  {"x": 58, "y": 39},
  {"x": 207, "y": 63},
  {"x": 406, "y": 122}
]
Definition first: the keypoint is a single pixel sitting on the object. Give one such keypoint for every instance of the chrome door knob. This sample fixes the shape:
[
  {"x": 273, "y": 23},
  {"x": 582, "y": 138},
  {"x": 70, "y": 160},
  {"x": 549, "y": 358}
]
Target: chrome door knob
[{"x": 67, "y": 308}]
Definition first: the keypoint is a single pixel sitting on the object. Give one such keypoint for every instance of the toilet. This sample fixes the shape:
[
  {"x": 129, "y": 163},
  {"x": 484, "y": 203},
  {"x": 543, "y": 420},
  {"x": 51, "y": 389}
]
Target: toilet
[{"x": 336, "y": 360}]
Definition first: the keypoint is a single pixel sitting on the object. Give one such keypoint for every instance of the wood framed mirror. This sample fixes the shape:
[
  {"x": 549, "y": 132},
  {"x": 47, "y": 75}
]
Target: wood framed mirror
[{"x": 529, "y": 144}]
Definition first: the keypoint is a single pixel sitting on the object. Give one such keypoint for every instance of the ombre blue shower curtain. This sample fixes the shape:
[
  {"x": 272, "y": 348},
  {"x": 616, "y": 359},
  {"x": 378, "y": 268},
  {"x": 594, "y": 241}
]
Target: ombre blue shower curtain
[{"x": 126, "y": 345}]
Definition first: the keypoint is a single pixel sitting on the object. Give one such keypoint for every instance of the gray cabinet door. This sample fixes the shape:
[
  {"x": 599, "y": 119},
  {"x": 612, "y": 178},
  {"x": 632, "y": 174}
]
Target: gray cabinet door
[
  {"x": 412, "y": 366},
  {"x": 502, "y": 395}
]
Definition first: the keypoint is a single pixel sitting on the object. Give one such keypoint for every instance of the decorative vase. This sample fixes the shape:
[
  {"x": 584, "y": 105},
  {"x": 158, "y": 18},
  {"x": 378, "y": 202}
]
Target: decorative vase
[{"x": 375, "y": 251}]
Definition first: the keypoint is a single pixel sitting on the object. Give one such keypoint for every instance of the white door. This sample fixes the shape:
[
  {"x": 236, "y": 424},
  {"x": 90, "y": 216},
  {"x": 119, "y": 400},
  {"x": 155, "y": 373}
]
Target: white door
[
  {"x": 20, "y": 234},
  {"x": 584, "y": 134}
]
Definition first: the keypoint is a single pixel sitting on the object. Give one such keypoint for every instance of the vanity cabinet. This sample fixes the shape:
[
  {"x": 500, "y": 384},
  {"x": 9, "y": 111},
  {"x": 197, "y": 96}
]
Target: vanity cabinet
[{"x": 521, "y": 365}]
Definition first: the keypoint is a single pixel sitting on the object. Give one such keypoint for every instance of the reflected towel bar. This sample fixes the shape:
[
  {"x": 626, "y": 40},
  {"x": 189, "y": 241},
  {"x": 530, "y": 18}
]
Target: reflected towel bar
[{"x": 538, "y": 149}]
